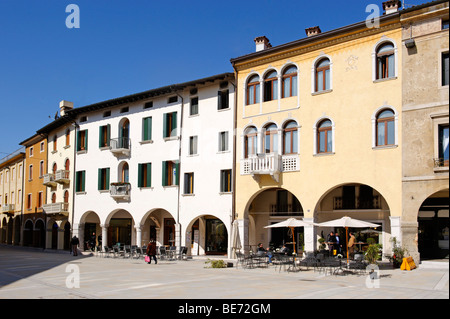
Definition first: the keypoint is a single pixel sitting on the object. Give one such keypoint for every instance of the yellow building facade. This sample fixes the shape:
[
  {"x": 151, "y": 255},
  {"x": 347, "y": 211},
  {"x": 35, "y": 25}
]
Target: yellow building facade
[
  {"x": 35, "y": 192},
  {"x": 318, "y": 134},
  {"x": 11, "y": 190}
]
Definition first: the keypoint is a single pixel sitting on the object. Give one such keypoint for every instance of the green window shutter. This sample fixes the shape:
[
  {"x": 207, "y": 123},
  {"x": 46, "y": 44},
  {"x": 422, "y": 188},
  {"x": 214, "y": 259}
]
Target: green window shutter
[
  {"x": 83, "y": 181},
  {"x": 149, "y": 175},
  {"x": 147, "y": 129},
  {"x": 165, "y": 128},
  {"x": 140, "y": 177},
  {"x": 219, "y": 100},
  {"x": 78, "y": 140},
  {"x": 164, "y": 173},
  {"x": 86, "y": 140},
  {"x": 100, "y": 178},
  {"x": 177, "y": 173},
  {"x": 107, "y": 179},
  {"x": 174, "y": 124},
  {"x": 108, "y": 137},
  {"x": 100, "y": 136}
]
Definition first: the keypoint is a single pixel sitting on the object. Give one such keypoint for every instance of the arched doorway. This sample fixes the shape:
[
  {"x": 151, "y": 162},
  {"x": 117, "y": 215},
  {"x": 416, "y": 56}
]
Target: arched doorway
[
  {"x": 28, "y": 233},
  {"x": 120, "y": 229},
  {"x": 207, "y": 235},
  {"x": 358, "y": 201},
  {"x": 268, "y": 207},
  {"x": 39, "y": 234},
  {"x": 158, "y": 224},
  {"x": 91, "y": 229},
  {"x": 54, "y": 231},
  {"x": 433, "y": 221}
]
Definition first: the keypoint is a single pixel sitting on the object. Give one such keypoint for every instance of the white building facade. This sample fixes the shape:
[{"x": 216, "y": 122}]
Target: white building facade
[{"x": 137, "y": 157}]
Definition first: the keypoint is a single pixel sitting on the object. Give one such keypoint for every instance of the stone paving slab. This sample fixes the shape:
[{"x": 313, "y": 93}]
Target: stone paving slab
[{"x": 32, "y": 274}]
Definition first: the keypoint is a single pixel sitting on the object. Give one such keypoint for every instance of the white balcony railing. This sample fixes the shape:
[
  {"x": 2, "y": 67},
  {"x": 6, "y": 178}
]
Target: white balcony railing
[
  {"x": 269, "y": 164},
  {"x": 8, "y": 208},
  {"x": 56, "y": 208},
  {"x": 62, "y": 176},
  {"x": 120, "y": 191},
  {"x": 120, "y": 146},
  {"x": 49, "y": 180}
]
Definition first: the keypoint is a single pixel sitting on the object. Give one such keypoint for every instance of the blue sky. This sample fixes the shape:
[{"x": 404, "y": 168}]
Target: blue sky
[{"x": 124, "y": 47}]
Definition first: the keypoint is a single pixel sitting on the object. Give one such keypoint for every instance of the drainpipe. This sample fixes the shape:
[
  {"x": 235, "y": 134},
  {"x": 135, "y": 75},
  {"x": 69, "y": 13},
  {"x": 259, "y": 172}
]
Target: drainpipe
[
  {"x": 178, "y": 244},
  {"x": 74, "y": 123}
]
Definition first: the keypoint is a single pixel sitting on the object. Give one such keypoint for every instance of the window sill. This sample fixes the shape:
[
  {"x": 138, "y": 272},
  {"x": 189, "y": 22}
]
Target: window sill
[
  {"x": 192, "y": 155},
  {"x": 384, "y": 147},
  {"x": 324, "y": 154},
  {"x": 66, "y": 147},
  {"x": 172, "y": 138},
  {"x": 146, "y": 142},
  {"x": 103, "y": 191},
  {"x": 442, "y": 169},
  {"x": 170, "y": 186},
  {"x": 384, "y": 80},
  {"x": 80, "y": 193},
  {"x": 225, "y": 193},
  {"x": 81, "y": 152},
  {"x": 194, "y": 115},
  {"x": 145, "y": 187},
  {"x": 187, "y": 195},
  {"x": 321, "y": 92},
  {"x": 105, "y": 148},
  {"x": 224, "y": 152},
  {"x": 224, "y": 109}
]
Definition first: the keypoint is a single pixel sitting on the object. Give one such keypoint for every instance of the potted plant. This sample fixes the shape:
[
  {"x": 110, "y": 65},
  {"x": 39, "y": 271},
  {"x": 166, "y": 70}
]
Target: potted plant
[
  {"x": 322, "y": 245},
  {"x": 398, "y": 253},
  {"x": 373, "y": 253}
]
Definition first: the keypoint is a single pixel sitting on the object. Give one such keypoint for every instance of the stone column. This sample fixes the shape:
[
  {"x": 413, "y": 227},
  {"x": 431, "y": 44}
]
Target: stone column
[
  {"x": 104, "y": 234},
  {"x": 309, "y": 236},
  {"x": 138, "y": 235}
]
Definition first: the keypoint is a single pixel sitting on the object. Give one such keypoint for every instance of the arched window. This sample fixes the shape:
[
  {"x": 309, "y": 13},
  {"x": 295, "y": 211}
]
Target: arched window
[
  {"x": 385, "y": 61},
  {"x": 253, "y": 89},
  {"x": 67, "y": 137},
  {"x": 250, "y": 141},
  {"x": 271, "y": 139},
  {"x": 125, "y": 173},
  {"x": 66, "y": 196},
  {"x": 271, "y": 86},
  {"x": 289, "y": 85},
  {"x": 385, "y": 128},
  {"x": 290, "y": 138},
  {"x": 53, "y": 198},
  {"x": 322, "y": 75},
  {"x": 54, "y": 168},
  {"x": 324, "y": 137}
]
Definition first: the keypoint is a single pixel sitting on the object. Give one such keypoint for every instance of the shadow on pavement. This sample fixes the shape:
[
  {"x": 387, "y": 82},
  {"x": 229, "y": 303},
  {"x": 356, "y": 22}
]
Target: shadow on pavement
[{"x": 17, "y": 263}]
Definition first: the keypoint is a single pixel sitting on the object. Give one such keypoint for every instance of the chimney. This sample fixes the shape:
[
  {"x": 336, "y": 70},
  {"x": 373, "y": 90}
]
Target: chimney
[
  {"x": 391, "y": 6},
  {"x": 313, "y": 31},
  {"x": 262, "y": 43},
  {"x": 65, "y": 106}
]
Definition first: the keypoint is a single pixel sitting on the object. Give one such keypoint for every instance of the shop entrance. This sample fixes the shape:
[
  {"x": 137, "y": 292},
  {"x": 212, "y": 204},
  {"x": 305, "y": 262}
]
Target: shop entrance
[
  {"x": 433, "y": 220},
  {"x": 119, "y": 231}
]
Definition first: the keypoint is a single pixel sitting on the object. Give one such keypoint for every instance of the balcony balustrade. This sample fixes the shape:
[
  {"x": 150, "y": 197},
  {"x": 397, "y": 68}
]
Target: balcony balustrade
[
  {"x": 120, "y": 191},
  {"x": 8, "y": 208},
  {"x": 340, "y": 203},
  {"x": 62, "y": 177},
  {"x": 49, "y": 180},
  {"x": 269, "y": 164},
  {"x": 56, "y": 208},
  {"x": 120, "y": 146}
]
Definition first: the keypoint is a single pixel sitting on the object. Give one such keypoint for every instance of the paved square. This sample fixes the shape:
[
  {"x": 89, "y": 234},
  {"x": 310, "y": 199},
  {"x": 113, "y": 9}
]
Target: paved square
[{"x": 33, "y": 274}]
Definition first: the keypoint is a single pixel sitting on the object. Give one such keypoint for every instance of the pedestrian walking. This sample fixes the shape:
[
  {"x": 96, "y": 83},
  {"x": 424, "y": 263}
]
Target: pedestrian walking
[
  {"x": 74, "y": 243},
  {"x": 151, "y": 252}
]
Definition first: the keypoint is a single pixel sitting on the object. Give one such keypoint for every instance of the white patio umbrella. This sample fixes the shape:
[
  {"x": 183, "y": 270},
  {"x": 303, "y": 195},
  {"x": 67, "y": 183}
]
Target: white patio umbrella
[
  {"x": 291, "y": 223},
  {"x": 347, "y": 222},
  {"x": 236, "y": 241}
]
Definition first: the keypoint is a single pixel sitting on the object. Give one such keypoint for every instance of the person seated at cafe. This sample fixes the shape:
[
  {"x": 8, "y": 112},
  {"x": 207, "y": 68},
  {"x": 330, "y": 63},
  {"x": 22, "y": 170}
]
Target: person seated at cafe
[
  {"x": 261, "y": 251},
  {"x": 285, "y": 250}
]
